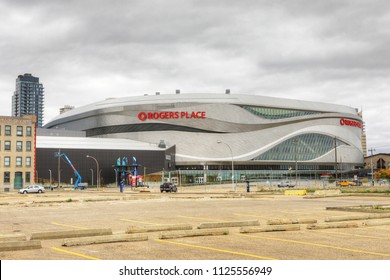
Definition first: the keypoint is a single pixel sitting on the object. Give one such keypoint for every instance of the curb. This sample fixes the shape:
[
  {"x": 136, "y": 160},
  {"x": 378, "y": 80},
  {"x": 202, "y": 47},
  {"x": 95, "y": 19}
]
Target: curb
[
  {"x": 291, "y": 221},
  {"x": 192, "y": 233},
  {"x": 13, "y": 237},
  {"x": 360, "y": 209},
  {"x": 19, "y": 245},
  {"x": 69, "y": 233},
  {"x": 229, "y": 224},
  {"x": 270, "y": 228},
  {"x": 332, "y": 225},
  {"x": 358, "y": 217},
  {"x": 104, "y": 239},
  {"x": 133, "y": 229}
]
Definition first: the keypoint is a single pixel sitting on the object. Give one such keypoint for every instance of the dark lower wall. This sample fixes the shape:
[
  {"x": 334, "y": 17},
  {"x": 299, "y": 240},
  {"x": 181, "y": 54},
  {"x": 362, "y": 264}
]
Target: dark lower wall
[{"x": 154, "y": 161}]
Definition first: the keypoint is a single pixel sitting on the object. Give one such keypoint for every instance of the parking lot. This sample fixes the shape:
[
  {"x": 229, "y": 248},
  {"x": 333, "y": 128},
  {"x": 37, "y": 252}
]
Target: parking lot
[{"x": 67, "y": 210}]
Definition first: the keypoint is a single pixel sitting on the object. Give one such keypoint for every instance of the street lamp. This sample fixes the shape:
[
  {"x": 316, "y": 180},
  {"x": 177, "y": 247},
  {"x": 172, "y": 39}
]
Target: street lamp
[
  {"x": 97, "y": 171},
  {"x": 372, "y": 167},
  {"x": 231, "y": 152},
  {"x": 116, "y": 176},
  {"x": 296, "y": 161},
  {"x": 91, "y": 177},
  {"x": 50, "y": 176}
]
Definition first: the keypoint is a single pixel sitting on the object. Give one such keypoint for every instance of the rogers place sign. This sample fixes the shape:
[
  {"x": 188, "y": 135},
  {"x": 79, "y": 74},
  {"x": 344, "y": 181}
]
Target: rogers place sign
[
  {"x": 350, "y": 123},
  {"x": 143, "y": 116}
]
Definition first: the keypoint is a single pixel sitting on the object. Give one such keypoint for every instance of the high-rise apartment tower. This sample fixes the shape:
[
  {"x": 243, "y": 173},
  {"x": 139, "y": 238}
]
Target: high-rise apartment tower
[{"x": 28, "y": 98}]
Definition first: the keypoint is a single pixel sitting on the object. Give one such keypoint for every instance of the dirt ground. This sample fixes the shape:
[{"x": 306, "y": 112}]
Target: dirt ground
[{"x": 70, "y": 209}]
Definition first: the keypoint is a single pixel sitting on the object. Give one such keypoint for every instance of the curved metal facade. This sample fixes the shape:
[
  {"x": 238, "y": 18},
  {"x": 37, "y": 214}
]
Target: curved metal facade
[{"x": 257, "y": 129}]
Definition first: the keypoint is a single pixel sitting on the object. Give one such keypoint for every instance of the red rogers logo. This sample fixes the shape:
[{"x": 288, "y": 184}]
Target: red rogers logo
[
  {"x": 143, "y": 116},
  {"x": 350, "y": 123}
]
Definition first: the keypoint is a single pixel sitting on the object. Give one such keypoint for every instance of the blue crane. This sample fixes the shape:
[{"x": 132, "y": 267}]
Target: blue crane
[{"x": 76, "y": 185}]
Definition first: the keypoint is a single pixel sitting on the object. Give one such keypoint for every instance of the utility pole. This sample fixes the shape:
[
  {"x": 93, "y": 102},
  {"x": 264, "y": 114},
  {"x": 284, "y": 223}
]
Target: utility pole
[
  {"x": 335, "y": 157},
  {"x": 59, "y": 169},
  {"x": 296, "y": 162},
  {"x": 372, "y": 167},
  {"x": 97, "y": 172}
]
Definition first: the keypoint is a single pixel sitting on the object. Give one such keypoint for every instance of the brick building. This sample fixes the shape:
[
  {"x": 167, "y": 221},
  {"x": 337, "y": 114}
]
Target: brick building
[{"x": 17, "y": 146}]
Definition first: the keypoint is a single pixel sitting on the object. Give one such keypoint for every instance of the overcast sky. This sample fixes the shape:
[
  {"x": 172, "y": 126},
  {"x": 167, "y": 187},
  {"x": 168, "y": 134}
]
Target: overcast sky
[{"x": 334, "y": 51}]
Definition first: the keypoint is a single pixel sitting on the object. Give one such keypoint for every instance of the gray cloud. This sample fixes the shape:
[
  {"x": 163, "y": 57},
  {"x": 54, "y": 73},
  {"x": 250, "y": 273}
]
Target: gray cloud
[{"x": 334, "y": 51}]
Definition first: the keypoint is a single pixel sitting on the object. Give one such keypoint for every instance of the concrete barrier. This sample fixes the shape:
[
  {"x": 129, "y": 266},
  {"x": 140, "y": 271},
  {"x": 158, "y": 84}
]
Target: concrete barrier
[
  {"x": 193, "y": 233},
  {"x": 229, "y": 224},
  {"x": 295, "y": 192},
  {"x": 19, "y": 245},
  {"x": 270, "y": 228},
  {"x": 104, "y": 239},
  {"x": 152, "y": 228},
  {"x": 332, "y": 225},
  {"x": 70, "y": 233},
  {"x": 376, "y": 223},
  {"x": 291, "y": 221},
  {"x": 358, "y": 217},
  {"x": 13, "y": 237}
]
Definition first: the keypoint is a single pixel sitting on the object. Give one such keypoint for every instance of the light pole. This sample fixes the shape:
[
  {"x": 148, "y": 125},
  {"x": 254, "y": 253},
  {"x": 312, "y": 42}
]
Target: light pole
[
  {"x": 97, "y": 171},
  {"x": 296, "y": 162},
  {"x": 91, "y": 177},
  {"x": 116, "y": 177},
  {"x": 50, "y": 176},
  {"x": 336, "y": 167},
  {"x": 372, "y": 167},
  {"x": 231, "y": 152},
  {"x": 59, "y": 169},
  {"x": 180, "y": 181}
]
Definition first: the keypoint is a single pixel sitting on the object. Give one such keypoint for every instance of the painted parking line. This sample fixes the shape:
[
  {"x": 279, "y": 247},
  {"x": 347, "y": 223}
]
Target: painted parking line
[
  {"x": 70, "y": 226},
  {"x": 74, "y": 253},
  {"x": 316, "y": 245},
  {"x": 215, "y": 249},
  {"x": 202, "y": 219},
  {"x": 140, "y": 222},
  {"x": 349, "y": 234}
]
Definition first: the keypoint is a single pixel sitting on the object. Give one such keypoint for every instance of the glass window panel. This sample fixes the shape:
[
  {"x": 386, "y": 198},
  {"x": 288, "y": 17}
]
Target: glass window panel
[
  {"x": 19, "y": 130},
  {"x": 7, "y": 130},
  {"x": 274, "y": 114},
  {"x": 301, "y": 148},
  {"x": 7, "y": 145},
  {"x": 7, "y": 176},
  {"x": 19, "y": 146},
  {"x": 28, "y": 130}
]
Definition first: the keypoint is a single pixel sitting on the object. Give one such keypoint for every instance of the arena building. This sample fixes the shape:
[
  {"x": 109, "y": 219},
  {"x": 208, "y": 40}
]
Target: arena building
[{"x": 256, "y": 136}]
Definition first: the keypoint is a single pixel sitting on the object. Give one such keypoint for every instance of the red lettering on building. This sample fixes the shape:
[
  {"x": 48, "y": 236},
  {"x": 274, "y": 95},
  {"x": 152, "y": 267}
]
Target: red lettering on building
[
  {"x": 143, "y": 116},
  {"x": 350, "y": 123}
]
